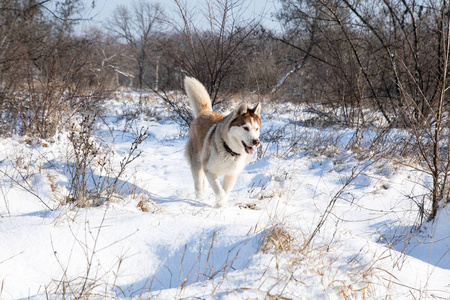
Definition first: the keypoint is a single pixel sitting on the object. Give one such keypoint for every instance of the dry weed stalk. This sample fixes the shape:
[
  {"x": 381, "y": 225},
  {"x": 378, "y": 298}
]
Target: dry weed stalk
[
  {"x": 24, "y": 184},
  {"x": 94, "y": 178},
  {"x": 87, "y": 285}
]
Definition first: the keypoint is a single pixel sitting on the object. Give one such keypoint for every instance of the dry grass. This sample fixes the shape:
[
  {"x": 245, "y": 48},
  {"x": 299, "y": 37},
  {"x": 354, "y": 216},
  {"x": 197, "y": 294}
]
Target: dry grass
[
  {"x": 277, "y": 239},
  {"x": 297, "y": 263},
  {"x": 145, "y": 206}
]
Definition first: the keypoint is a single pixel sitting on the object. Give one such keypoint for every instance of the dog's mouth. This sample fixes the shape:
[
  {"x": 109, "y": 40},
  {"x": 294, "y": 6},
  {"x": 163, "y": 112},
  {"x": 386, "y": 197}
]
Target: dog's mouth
[{"x": 248, "y": 149}]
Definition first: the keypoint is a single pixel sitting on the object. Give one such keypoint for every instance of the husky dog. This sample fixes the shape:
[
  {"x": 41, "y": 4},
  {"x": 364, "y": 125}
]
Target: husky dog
[{"x": 218, "y": 144}]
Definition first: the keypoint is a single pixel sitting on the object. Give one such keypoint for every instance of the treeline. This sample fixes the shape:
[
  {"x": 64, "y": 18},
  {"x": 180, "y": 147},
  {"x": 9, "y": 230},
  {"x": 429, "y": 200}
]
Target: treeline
[
  {"x": 389, "y": 55},
  {"x": 50, "y": 68}
]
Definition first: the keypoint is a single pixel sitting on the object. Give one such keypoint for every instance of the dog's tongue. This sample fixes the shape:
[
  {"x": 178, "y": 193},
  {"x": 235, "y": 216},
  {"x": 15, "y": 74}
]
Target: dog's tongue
[{"x": 249, "y": 150}]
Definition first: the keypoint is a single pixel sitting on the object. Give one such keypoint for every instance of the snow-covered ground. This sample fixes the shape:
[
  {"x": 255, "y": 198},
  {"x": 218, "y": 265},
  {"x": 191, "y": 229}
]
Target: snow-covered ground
[{"x": 309, "y": 219}]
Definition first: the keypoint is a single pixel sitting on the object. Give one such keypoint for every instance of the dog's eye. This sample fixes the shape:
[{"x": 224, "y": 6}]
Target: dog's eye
[{"x": 246, "y": 128}]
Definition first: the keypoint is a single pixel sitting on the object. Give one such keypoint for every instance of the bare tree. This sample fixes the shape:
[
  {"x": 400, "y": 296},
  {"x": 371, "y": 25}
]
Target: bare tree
[
  {"x": 211, "y": 50},
  {"x": 427, "y": 114},
  {"x": 301, "y": 23},
  {"x": 136, "y": 26},
  {"x": 421, "y": 81}
]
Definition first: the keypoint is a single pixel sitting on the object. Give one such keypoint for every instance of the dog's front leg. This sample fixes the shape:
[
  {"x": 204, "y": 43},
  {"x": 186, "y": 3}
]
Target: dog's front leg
[
  {"x": 221, "y": 196},
  {"x": 228, "y": 182}
]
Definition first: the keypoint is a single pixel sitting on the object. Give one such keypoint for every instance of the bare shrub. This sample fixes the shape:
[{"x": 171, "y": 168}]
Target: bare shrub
[
  {"x": 178, "y": 104},
  {"x": 369, "y": 55},
  {"x": 46, "y": 73},
  {"x": 85, "y": 151},
  {"x": 94, "y": 179}
]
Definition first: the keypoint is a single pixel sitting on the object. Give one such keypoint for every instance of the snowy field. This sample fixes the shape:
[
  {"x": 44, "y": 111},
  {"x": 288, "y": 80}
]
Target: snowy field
[{"x": 307, "y": 219}]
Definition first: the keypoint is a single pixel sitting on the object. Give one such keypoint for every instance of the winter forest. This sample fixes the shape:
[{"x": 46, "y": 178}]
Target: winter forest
[{"x": 346, "y": 197}]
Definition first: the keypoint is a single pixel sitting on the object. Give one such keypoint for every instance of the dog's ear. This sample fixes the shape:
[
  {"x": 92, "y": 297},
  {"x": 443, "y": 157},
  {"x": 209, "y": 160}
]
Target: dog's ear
[
  {"x": 257, "y": 109},
  {"x": 241, "y": 109}
]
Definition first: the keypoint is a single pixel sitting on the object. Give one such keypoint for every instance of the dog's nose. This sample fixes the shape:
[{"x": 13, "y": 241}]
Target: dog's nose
[{"x": 256, "y": 142}]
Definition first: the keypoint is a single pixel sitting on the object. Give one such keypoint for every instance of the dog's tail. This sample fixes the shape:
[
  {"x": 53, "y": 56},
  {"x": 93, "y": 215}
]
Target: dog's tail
[{"x": 198, "y": 96}]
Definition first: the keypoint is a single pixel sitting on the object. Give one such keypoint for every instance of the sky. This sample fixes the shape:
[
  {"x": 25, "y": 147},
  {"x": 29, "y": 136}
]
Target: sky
[{"x": 103, "y": 10}]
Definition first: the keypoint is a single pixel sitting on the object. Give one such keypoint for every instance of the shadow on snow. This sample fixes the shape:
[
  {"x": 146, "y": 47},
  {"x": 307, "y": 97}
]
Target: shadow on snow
[{"x": 208, "y": 257}]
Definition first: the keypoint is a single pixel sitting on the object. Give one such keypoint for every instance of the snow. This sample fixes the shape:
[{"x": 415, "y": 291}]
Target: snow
[{"x": 265, "y": 243}]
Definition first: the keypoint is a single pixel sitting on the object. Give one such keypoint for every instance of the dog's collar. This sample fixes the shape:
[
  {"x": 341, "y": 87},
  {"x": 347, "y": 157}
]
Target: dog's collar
[{"x": 229, "y": 150}]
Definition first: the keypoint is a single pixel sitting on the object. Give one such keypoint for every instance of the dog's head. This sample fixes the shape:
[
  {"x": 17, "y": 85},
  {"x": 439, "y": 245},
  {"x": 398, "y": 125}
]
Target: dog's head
[{"x": 245, "y": 127}]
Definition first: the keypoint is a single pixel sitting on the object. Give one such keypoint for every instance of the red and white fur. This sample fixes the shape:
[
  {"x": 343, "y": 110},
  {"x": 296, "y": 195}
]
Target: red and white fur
[{"x": 219, "y": 145}]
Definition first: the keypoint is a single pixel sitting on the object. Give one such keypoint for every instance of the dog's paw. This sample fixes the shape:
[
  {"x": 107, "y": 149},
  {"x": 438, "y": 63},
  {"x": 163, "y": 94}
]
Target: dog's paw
[
  {"x": 221, "y": 201},
  {"x": 199, "y": 195}
]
